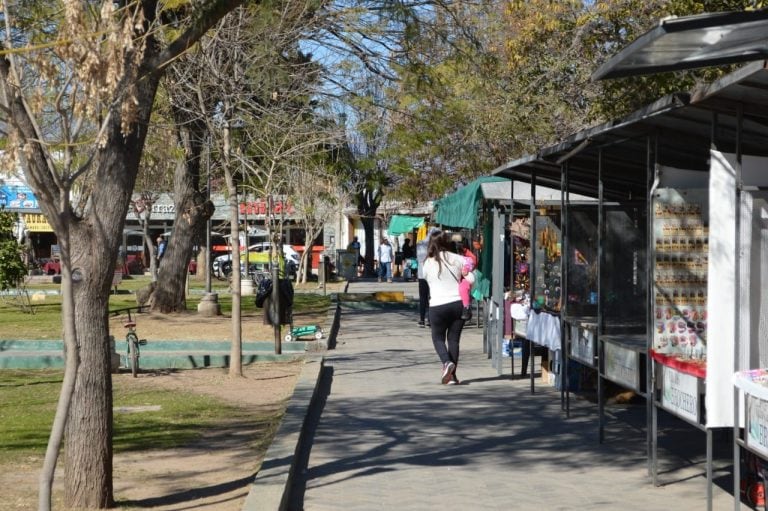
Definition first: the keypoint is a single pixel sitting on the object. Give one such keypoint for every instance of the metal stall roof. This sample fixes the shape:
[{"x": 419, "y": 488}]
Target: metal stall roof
[
  {"x": 688, "y": 42},
  {"x": 683, "y": 123}
]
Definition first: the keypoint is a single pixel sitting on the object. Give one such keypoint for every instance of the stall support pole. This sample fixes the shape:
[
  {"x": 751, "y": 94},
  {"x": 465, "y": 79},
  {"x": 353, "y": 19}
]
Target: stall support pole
[
  {"x": 709, "y": 469},
  {"x": 653, "y": 414},
  {"x": 655, "y": 432},
  {"x": 599, "y": 329},
  {"x": 652, "y": 151},
  {"x": 532, "y": 269},
  {"x": 600, "y": 390},
  {"x": 564, "y": 256},
  {"x": 497, "y": 293},
  {"x": 512, "y": 275},
  {"x": 737, "y": 452},
  {"x": 737, "y": 308}
]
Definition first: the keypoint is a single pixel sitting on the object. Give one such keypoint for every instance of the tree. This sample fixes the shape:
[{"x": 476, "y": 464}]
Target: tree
[
  {"x": 369, "y": 171},
  {"x": 77, "y": 86},
  {"x": 314, "y": 206},
  {"x": 12, "y": 269},
  {"x": 482, "y": 83},
  {"x": 193, "y": 209}
]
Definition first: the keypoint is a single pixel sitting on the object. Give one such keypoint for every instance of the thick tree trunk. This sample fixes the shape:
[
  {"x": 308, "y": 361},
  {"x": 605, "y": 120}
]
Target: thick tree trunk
[
  {"x": 169, "y": 294},
  {"x": 370, "y": 250},
  {"x": 193, "y": 210},
  {"x": 88, "y": 441},
  {"x": 367, "y": 203}
]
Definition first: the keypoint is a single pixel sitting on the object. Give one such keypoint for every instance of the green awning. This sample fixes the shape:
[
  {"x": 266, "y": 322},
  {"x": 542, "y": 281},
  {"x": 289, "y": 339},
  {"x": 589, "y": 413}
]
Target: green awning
[
  {"x": 460, "y": 208},
  {"x": 401, "y": 224}
]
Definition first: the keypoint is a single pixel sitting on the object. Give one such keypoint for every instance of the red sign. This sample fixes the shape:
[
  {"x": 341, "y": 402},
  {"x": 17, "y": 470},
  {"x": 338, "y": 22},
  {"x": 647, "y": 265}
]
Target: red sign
[{"x": 259, "y": 208}]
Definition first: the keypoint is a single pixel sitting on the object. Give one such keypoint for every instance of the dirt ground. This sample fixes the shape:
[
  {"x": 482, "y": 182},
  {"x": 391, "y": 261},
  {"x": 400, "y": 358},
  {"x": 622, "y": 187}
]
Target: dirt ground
[
  {"x": 214, "y": 473},
  {"x": 191, "y": 326}
]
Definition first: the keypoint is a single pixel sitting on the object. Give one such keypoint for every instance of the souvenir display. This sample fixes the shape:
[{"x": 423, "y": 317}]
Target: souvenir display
[
  {"x": 681, "y": 246},
  {"x": 547, "y": 259},
  {"x": 521, "y": 254}
]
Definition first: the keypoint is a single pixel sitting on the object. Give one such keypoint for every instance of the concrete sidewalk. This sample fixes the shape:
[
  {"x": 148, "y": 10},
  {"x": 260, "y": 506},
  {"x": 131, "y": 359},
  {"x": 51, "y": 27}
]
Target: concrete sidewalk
[{"x": 387, "y": 435}]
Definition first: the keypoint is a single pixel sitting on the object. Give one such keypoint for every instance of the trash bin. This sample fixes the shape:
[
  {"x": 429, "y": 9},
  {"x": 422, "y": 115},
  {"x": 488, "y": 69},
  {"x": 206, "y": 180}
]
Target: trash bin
[
  {"x": 347, "y": 264},
  {"x": 280, "y": 313}
]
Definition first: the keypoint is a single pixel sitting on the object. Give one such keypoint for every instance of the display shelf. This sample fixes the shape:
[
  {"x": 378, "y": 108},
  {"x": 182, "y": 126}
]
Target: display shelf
[
  {"x": 693, "y": 367},
  {"x": 753, "y": 382}
]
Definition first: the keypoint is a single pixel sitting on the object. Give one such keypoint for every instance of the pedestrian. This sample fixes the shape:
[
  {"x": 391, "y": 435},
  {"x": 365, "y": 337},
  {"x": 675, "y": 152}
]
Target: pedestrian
[
  {"x": 442, "y": 271},
  {"x": 465, "y": 286},
  {"x": 407, "y": 249},
  {"x": 354, "y": 246},
  {"x": 386, "y": 255},
  {"x": 421, "y": 256},
  {"x": 160, "y": 247}
]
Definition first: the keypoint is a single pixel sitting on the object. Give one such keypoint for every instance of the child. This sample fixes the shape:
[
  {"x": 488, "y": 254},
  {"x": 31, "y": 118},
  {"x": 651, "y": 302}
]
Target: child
[{"x": 465, "y": 285}]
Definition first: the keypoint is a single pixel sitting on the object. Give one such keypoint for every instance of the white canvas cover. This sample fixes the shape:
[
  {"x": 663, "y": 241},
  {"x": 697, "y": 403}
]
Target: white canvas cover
[
  {"x": 751, "y": 351},
  {"x": 721, "y": 290}
]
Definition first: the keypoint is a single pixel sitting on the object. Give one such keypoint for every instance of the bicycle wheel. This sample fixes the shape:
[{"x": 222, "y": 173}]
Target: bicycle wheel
[{"x": 133, "y": 352}]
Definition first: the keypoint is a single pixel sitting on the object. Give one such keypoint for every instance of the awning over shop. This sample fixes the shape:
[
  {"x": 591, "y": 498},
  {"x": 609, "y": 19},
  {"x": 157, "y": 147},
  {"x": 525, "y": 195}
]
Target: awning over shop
[
  {"x": 401, "y": 224},
  {"x": 460, "y": 208},
  {"x": 689, "y": 42}
]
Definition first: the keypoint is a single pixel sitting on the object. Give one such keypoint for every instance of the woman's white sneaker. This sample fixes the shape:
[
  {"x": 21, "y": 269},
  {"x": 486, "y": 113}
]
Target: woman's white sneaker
[{"x": 448, "y": 369}]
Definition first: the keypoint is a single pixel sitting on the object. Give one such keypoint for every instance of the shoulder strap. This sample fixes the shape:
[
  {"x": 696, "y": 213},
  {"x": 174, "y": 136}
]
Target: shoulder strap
[{"x": 449, "y": 267}]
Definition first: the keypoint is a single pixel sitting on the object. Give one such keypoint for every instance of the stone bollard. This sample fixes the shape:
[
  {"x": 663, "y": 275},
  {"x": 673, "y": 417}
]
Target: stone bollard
[{"x": 209, "y": 305}]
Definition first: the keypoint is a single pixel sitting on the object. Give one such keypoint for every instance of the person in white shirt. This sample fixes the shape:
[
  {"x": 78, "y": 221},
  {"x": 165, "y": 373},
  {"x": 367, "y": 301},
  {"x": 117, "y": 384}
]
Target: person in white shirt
[
  {"x": 386, "y": 255},
  {"x": 422, "y": 247},
  {"x": 442, "y": 271}
]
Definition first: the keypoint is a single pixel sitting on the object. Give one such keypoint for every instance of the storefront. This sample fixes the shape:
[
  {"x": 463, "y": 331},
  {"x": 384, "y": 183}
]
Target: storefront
[{"x": 32, "y": 230}]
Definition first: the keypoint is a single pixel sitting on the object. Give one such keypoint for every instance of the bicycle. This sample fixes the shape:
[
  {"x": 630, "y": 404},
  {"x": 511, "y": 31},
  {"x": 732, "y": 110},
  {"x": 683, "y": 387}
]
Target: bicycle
[{"x": 132, "y": 340}]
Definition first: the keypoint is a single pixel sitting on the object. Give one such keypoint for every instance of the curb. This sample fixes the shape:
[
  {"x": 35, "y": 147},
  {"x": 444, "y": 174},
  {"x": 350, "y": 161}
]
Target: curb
[{"x": 271, "y": 487}]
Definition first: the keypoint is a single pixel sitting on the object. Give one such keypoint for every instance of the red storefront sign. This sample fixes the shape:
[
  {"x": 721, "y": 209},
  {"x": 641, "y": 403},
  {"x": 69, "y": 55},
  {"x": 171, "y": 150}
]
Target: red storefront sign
[{"x": 260, "y": 208}]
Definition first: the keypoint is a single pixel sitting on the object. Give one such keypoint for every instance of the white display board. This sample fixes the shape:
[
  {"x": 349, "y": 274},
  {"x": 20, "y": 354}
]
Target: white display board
[
  {"x": 680, "y": 394},
  {"x": 622, "y": 365},
  {"x": 756, "y": 431}
]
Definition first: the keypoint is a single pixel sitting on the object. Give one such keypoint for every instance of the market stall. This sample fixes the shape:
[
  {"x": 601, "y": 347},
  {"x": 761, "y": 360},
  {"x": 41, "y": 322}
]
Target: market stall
[{"x": 671, "y": 179}]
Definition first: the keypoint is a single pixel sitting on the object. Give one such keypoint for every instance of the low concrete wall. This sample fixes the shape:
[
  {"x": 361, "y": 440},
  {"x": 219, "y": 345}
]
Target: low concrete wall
[
  {"x": 270, "y": 490},
  {"x": 157, "y": 354}
]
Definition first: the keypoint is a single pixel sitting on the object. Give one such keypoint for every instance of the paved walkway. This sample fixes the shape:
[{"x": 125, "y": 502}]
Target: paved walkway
[{"x": 390, "y": 436}]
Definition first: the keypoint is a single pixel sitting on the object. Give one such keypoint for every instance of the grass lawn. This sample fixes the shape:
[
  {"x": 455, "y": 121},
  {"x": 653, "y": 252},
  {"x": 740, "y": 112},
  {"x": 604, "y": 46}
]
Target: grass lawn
[{"x": 29, "y": 402}]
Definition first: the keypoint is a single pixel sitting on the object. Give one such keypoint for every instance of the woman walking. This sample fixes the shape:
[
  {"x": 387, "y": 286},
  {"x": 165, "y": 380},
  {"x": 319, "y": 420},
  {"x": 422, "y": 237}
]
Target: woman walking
[{"x": 442, "y": 271}]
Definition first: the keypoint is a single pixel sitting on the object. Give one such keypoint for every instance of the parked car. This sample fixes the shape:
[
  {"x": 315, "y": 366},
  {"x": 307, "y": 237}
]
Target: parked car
[{"x": 258, "y": 256}]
